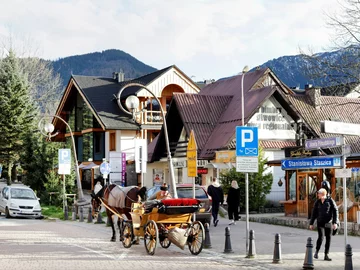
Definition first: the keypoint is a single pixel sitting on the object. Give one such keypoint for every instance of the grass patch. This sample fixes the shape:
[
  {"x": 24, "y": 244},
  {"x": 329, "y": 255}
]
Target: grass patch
[{"x": 51, "y": 211}]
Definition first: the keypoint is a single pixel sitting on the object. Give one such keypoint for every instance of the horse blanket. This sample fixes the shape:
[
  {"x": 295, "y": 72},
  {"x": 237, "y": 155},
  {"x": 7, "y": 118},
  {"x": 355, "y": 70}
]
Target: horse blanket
[{"x": 118, "y": 195}]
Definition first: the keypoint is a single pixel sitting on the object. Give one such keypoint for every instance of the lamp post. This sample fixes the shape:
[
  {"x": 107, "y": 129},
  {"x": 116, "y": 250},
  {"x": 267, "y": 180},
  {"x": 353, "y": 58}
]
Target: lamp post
[
  {"x": 245, "y": 69},
  {"x": 49, "y": 128},
  {"x": 132, "y": 102}
]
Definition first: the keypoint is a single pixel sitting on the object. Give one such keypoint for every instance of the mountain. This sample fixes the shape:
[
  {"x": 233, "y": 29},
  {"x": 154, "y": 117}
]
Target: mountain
[
  {"x": 323, "y": 69},
  {"x": 101, "y": 64}
]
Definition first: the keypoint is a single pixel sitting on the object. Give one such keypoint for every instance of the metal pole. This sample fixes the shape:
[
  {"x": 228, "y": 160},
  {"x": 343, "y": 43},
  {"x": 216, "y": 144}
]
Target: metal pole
[
  {"x": 171, "y": 166},
  {"x": 246, "y": 174},
  {"x": 344, "y": 193},
  {"x": 78, "y": 182}
]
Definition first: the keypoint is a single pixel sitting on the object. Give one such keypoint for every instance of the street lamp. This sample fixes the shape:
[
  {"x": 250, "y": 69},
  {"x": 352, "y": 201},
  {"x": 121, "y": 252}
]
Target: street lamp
[
  {"x": 132, "y": 102},
  {"x": 49, "y": 128},
  {"x": 245, "y": 69}
]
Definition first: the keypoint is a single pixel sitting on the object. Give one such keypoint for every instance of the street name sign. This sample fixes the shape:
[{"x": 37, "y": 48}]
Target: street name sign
[
  {"x": 191, "y": 155},
  {"x": 247, "y": 164},
  {"x": 340, "y": 128},
  {"x": 247, "y": 143},
  {"x": 324, "y": 143},
  {"x": 311, "y": 163},
  {"x": 64, "y": 161}
]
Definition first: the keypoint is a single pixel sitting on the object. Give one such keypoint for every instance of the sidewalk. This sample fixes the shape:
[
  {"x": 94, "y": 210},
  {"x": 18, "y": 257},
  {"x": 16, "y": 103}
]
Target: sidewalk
[{"x": 293, "y": 243}]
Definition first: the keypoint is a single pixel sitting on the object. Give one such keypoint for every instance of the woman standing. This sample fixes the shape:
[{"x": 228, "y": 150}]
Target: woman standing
[{"x": 233, "y": 202}]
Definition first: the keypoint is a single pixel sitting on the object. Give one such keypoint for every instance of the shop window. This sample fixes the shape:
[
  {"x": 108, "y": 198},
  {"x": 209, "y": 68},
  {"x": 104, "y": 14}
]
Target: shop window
[{"x": 292, "y": 185}]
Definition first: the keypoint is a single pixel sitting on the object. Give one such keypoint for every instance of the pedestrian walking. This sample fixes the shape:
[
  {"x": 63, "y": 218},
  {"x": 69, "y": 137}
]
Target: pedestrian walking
[
  {"x": 233, "y": 202},
  {"x": 326, "y": 214},
  {"x": 217, "y": 196}
]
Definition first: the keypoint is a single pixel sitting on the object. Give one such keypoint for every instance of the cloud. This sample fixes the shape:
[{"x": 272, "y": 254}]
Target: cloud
[{"x": 204, "y": 38}]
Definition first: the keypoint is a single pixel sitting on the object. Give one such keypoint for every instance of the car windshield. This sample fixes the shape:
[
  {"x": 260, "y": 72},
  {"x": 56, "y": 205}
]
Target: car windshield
[
  {"x": 20, "y": 193},
  {"x": 187, "y": 192}
]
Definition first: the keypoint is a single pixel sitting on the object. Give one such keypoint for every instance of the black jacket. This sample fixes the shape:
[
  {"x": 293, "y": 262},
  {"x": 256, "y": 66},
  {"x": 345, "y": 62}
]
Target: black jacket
[
  {"x": 233, "y": 197},
  {"x": 216, "y": 193},
  {"x": 325, "y": 212}
]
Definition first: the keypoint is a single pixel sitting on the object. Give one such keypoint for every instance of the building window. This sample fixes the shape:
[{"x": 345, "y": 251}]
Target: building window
[
  {"x": 112, "y": 141},
  {"x": 97, "y": 137},
  {"x": 292, "y": 186}
]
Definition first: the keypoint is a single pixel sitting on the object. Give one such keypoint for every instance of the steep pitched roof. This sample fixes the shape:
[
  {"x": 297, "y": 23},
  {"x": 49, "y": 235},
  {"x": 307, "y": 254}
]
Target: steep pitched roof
[
  {"x": 99, "y": 94},
  {"x": 200, "y": 113},
  {"x": 331, "y": 108}
]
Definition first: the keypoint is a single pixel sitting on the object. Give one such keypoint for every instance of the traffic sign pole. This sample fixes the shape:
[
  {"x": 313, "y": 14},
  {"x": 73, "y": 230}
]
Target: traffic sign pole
[{"x": 344, "y": 193}]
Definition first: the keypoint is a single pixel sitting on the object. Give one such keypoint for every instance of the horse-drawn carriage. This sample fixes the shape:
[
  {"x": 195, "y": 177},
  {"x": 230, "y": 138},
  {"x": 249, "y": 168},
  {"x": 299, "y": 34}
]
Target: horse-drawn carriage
[
  {"x": 157, "y": 221},
  {"x": 166, "y": 221}
]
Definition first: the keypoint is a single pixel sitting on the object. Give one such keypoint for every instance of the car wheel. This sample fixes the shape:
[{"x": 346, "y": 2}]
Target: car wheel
[{"x": 7, "y": 213}]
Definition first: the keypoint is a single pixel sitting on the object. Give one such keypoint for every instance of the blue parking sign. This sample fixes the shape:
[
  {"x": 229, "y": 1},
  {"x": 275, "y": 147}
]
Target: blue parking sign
[{"x": 247, "y": 143}]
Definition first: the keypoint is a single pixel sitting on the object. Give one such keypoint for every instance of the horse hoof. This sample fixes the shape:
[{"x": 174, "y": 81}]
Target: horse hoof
[
  {"x": 121, "y": 239},
  {"x": 113, "y": 240}
]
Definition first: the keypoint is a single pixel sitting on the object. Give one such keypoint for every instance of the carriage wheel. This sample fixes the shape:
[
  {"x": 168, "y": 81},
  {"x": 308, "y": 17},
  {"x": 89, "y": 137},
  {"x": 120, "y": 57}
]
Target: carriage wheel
[
  {"x": 196, "y": 237},
  {"x": 151, "y": 236},
  {"x": 128, "y": 235},
  {"x": 165, "y": 242}
]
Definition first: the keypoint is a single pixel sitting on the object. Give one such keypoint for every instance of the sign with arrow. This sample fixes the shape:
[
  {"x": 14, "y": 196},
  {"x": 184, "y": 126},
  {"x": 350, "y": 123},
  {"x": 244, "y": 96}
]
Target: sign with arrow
[{"x": 191, "y": 155}]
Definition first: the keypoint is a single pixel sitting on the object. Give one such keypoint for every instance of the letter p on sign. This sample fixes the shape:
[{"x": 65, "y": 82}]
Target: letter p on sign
[{"x": 247, "y": 136}]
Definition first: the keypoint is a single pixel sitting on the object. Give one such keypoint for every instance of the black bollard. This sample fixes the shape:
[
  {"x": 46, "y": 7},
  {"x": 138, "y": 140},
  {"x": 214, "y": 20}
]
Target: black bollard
[
  {"x": 308, "y": 261},
  {"x": 348, "y": 258},
  {"x": 252, "y": 248},
  {"x": 81, "y": 217},
  {"x": 73, "y": 213},
  {"x": 99, "y": 218},
  {"x": 277, "y": 249},
  {"x": 207, "y": 242},
  {"x": 66, "y": 213},
  {"x": 228, "y": 248},
  {"x": 89, "y": 219}
]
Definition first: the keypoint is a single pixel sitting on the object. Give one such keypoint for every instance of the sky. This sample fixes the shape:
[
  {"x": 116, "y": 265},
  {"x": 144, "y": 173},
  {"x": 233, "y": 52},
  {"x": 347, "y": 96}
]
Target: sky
[{"x": 206, "y": 39}]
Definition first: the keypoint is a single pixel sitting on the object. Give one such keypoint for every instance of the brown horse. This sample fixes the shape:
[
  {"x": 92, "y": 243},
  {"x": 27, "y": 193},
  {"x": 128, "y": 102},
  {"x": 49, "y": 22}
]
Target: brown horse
[{"x": 119, "y": 200}]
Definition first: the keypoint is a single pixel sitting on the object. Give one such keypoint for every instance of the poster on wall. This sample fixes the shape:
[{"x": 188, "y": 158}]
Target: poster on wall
[{"x": 158, "y": 177}]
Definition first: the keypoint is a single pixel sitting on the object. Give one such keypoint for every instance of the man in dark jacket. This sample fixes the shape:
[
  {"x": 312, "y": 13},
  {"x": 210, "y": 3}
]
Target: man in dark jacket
[
  {"x": 217, "y": 196},
  {"x": 326, "y": 213}
]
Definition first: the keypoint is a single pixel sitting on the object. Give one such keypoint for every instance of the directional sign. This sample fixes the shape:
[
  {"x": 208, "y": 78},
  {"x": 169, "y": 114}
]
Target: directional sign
[
  {"x": 324, "y": 143},
  {"x": 247, "y": 143},
  {"x": 191, "y": 155},
  {"x": 64, "y": 161},
  {"x": 340, "y": 128},
  {"x": 311, "y": 163}
]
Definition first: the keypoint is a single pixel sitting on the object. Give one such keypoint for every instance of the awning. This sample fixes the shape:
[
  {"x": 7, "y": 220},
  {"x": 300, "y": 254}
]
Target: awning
[
  {"x": 87, "y": 166},
  {"x": 220, "y": 165}
]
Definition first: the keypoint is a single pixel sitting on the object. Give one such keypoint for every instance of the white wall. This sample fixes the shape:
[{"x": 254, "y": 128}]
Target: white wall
[{"x": 277, "y": 193}]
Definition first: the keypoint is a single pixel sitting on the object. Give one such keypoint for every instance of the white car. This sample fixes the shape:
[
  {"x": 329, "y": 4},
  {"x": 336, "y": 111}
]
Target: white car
[{"x": 19, "y": 201}]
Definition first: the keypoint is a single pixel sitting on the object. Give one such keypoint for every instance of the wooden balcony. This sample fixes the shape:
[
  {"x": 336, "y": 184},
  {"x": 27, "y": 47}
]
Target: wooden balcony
[{"x": 150, "y": 118}]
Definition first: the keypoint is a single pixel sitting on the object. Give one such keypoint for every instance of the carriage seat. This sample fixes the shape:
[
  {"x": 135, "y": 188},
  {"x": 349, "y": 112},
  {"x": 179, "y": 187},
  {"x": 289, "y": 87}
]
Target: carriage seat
[
  {"x": 180, "y": 206},
  {"x": 173, "y": 206}
]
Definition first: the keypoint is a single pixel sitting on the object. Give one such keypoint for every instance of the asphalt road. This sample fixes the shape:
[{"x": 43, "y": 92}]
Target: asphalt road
[{"x": 45, "y": 244}]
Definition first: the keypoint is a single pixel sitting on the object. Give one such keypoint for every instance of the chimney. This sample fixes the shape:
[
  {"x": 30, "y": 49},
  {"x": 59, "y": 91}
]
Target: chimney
[
  {"x": 314, "y": 94},
  {"x": 119, "y": 76}
]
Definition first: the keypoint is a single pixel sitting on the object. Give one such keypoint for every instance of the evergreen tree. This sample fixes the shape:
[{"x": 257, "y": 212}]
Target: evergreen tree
[
  {"x": 259, "y": 184},
  {"x": 16, "y": 112}
]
